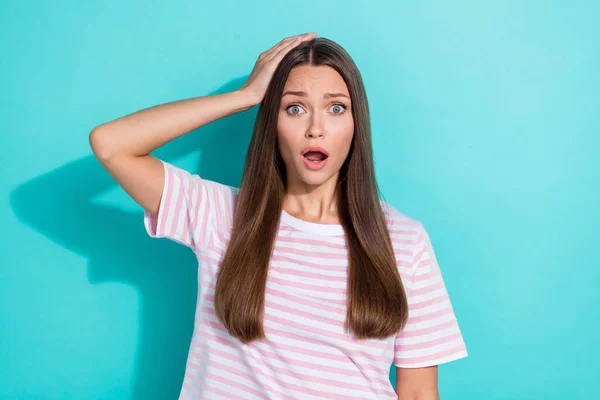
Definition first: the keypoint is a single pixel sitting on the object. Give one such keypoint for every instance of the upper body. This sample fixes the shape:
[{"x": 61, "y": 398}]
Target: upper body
[
  {"x": 304, "y": 255},
  {"x": 306, "y": 354}
]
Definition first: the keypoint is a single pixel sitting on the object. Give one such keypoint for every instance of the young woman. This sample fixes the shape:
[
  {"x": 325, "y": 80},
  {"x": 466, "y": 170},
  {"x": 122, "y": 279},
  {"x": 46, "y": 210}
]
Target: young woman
[{"x": 310, "y": 286}]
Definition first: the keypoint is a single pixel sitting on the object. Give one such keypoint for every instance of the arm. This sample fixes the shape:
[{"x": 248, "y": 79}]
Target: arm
[
  {"x": 417, "y": 383},
  {"x": 123, "y": 146},
  {"x": 431, "y": 336}
]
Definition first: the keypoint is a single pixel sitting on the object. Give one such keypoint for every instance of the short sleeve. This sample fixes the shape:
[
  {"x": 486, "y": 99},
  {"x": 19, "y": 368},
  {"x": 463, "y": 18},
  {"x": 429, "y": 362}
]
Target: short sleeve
[
  {"x": 432, "y": 335},
  {"x": 191, "y": 209}
]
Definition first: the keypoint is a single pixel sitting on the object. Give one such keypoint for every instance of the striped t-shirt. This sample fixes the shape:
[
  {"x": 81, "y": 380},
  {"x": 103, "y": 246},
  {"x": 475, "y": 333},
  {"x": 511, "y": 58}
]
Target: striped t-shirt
[{"x": 307, "y": 354}]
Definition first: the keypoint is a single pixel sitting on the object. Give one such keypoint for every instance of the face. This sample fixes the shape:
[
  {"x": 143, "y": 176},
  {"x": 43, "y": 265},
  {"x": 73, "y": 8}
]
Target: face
[{"x": 315, "y": 111}]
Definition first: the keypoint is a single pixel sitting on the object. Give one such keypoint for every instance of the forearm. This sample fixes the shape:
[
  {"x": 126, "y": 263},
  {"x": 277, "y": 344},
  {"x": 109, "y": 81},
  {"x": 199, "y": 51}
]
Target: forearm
[{"x": 141, "y": 132}]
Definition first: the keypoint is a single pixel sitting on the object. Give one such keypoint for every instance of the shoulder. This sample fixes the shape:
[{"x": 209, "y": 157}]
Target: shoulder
[
  {"x": 406, "y": 232},
  {"x": 182, "y": 179},
  {"x": 399, "y": 221}
]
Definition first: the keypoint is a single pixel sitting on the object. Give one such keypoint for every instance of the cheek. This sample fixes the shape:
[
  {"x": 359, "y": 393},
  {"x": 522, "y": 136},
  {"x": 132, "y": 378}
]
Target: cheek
[
  {"x": 344, "y": 137},
  {"x": 285, "y": 140}
]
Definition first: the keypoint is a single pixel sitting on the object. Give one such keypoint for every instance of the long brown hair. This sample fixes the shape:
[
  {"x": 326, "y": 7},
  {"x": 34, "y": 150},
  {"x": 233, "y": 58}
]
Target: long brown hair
[{"x": 377, "y": 305}]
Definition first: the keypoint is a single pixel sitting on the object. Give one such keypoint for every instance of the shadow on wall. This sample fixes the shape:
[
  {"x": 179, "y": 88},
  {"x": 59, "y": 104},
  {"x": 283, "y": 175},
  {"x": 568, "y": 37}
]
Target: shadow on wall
[{"x": 114, "y": 241}]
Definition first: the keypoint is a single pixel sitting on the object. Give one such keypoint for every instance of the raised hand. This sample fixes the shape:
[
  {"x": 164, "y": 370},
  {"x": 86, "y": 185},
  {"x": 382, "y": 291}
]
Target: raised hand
[{"x": 258, "y": 81}]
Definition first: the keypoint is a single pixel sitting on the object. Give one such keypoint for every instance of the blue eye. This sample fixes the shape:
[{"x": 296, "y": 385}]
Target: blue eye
[
  {"x": 338, "y": 108},
  {"x": 295, "y": 109}
]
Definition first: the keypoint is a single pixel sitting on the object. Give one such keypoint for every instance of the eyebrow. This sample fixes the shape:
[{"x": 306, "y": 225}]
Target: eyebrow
[{"x": 325, "y": 96}]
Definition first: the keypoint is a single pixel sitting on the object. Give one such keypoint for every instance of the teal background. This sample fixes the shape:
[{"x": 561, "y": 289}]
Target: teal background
[{"x": 485, "y": 123}]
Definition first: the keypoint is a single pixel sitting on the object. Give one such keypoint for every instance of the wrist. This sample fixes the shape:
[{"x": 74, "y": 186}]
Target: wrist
[{"x": 247, "y": 99}]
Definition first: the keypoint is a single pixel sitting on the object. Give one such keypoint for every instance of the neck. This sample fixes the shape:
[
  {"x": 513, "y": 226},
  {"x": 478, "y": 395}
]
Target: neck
[{"x": 314, "y": 203}]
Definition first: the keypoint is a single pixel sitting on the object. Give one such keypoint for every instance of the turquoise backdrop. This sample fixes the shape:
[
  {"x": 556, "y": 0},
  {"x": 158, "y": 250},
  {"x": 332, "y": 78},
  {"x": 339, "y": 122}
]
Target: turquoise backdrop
[{"x": 485, "y": 122}]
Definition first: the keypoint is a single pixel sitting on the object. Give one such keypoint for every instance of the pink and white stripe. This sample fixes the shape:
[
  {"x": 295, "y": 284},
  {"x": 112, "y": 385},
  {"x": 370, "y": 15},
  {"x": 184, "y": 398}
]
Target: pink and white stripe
[{"x": 307, "y": 354}]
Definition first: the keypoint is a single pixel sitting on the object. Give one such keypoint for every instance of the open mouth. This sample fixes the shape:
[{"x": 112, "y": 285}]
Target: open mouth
[{"x": 315, "y": 156}]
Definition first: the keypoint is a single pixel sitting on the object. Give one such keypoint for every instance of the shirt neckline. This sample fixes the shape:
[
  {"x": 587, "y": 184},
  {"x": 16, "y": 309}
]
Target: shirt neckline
[{"x": 312, "y": 227}]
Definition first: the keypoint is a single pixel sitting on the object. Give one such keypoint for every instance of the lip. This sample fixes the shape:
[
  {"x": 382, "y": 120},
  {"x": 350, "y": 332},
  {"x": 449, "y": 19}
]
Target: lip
[
  {"x": 314, "y": 148},
  {"x": 314, "y": 165}
]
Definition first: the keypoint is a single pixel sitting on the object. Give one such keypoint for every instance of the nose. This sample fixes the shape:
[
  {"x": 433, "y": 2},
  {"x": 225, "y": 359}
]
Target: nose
[{"x": 315, "y": 129}]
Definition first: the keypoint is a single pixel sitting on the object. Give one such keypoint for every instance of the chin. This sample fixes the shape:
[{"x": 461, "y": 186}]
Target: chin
[
  {"x": 312, "y": 181},
  {"x": 315, "y": 178}
]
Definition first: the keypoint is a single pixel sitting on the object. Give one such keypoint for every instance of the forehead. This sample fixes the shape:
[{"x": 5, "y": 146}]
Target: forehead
[{"x": 315, "y": 79}]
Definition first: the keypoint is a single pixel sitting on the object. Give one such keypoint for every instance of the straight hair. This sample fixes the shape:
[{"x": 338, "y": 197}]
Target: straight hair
[{"x": 376, "y": 301}]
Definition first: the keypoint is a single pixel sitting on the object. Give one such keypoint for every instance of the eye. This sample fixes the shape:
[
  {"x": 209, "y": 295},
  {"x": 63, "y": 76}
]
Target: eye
[
  {"x": 338, "y": 108},
  {"x": 294, "y": 109}
]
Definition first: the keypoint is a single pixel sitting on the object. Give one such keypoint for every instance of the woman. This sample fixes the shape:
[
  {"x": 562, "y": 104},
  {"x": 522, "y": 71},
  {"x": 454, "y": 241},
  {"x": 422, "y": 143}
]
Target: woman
[{"x": 310, "y": 285}]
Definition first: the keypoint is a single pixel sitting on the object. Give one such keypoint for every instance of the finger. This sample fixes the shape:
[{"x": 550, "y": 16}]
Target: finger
[
  {"x": 282, "y": 51},
  {"x": 279, "y": 54},
  {"x": 273, "y": 50},
  {"x": 285, "y": 42}
]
